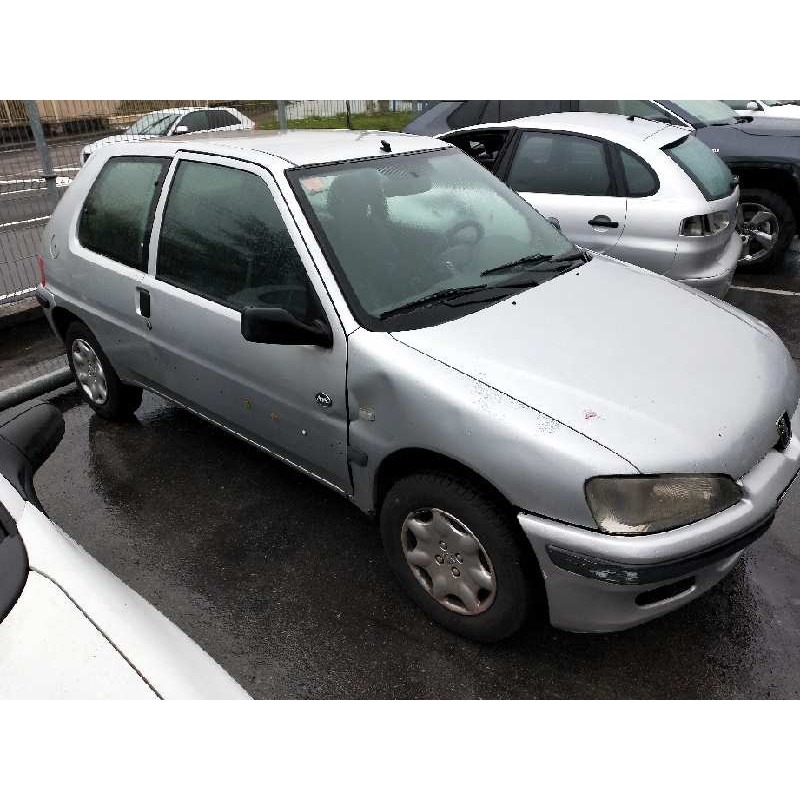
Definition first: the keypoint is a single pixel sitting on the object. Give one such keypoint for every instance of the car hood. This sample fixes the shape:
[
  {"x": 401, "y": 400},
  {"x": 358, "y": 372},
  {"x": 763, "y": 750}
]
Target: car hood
[
  {"x": 770, "y": 126},
  {"x": 667, "y": 377}
]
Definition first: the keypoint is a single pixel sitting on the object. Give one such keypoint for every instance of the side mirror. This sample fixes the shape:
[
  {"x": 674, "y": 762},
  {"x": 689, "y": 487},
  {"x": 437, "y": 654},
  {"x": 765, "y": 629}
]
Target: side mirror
[
  {"x": 179, "y": 130},
  {"x": 554, "y": 222},
  {"x": 752, "y": 105},
  {"x": 279, "y": 326}
]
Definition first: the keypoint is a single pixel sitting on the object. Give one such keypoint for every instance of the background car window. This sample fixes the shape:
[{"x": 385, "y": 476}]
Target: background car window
[
  {"x": 217, "y": 118},
  {"x": 223, "y": 237},
  {"x": 152, "y": 124},
  {"x": 738, "y": 105},
  {"x": 703, "y": 166},
  {"x": 639, "y": 177},
  {"x": 196, "y": 121},
  {"x": 514, "y": 109},
  {"x": 468, "y": 113},
  {"x": 560, "y": 164},
  {"x": 638, "y": 108},
  {"x": 115, "y": 219}
]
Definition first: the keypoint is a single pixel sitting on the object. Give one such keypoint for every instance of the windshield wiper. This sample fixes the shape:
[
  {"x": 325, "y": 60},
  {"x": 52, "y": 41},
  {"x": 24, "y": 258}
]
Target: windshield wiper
[
  {"x": 533, "y": 260},
  {"x": 442, "y": 294}
]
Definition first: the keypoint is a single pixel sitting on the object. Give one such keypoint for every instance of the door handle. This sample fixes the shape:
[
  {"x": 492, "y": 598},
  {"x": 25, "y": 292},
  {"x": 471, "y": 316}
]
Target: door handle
[
  {"x": 603, "y": 221},
  {"x": 143, "y": 304}
]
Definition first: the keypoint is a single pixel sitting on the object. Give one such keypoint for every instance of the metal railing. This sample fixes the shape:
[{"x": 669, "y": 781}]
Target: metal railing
[{"x": 41, "y": 143}]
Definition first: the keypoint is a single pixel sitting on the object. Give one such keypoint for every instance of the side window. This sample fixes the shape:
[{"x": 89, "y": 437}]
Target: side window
[
  {"x": 223, "y": 237},
  {"x": 468, "y": 113},
  {"x": 196, "y": 121},
  {"x": 515, "y": 109},
  {"x": 218, "y": 118},
  {"x": 559, "y": 163},
  {"x": 483, "y": 146},
  {"x": 639, "y": 177},
  {"x": 118, "y": 211}
]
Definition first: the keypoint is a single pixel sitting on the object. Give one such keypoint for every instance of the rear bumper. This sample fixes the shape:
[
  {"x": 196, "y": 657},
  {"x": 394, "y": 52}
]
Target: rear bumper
[
  {"x": 723, "y": 270},
  {"x": 597, "y": 582}
]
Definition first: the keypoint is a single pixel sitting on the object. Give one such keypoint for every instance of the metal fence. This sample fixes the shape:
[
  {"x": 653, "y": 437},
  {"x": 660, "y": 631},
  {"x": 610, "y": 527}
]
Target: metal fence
[{"x": 41, "y": 142}]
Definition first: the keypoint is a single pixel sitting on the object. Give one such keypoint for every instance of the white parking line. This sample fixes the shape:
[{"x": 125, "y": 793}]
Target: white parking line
[
  {"x": 4, "y": 297},
  {"x": 764, "y": 289},
  {"x": 22, "y": 221}
]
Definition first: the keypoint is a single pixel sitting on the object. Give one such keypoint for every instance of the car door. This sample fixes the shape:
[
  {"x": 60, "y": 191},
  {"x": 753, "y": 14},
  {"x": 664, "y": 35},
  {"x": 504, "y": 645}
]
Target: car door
[
  {"x": 224, "y": 240},
  {"x": 107, "y": 258},
  {"x": 569, "y": 177}
]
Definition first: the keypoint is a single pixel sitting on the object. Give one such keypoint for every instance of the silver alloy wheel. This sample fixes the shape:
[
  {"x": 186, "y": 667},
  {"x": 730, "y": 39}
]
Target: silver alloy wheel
[
  {"x": 759, "y": 229},
  {"x": 89, "y": 371},
  {"x": 449, "y": 561}
]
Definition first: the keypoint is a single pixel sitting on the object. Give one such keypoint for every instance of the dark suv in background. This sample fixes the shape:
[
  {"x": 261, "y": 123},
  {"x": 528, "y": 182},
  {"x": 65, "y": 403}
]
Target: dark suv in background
[{"x": 763, "y": 153}]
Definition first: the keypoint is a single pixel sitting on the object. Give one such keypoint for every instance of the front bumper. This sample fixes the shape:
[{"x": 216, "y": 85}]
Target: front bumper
[{"x": 597, "y": 582}]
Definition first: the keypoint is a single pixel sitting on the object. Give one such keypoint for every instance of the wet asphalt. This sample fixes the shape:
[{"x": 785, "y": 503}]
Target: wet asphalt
[{"x": 284, "y": 582}]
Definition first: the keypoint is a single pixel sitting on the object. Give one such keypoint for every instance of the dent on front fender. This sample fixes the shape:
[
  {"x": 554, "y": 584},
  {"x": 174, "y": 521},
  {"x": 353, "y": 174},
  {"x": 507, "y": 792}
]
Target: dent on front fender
[{"x": 400, "y": 398}]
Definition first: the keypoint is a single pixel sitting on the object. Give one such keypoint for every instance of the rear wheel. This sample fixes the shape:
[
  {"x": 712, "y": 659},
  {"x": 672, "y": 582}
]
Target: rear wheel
[
  {"x": 96, "y": 378},
  {"x": 457, "y": 554},
  {"x": 767, "y": 225}
]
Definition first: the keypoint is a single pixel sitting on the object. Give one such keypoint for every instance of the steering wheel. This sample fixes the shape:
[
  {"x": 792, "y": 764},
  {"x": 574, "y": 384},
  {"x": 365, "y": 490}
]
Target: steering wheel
[{"x": 480, "y": 231}]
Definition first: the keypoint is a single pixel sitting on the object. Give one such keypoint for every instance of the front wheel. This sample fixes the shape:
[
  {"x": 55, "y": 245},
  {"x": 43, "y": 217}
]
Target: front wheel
[{"x": 457, "y": 554}]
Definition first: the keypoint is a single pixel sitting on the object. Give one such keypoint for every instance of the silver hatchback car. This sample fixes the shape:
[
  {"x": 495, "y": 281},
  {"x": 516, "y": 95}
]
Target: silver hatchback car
[
  {"x": 646, "y": 192},
  {"x": 534, "y": 426}
]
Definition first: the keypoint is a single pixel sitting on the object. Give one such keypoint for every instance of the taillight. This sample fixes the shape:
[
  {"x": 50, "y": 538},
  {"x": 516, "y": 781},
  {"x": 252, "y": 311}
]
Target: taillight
[
  {"x": 705, "y": 224},
  {"x": 40, "y": 262}
]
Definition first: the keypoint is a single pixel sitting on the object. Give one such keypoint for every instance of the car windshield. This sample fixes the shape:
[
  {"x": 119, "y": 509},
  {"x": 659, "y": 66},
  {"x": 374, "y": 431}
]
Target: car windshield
[
  {"x": 155, "y": 124},
  {"x": 436, "y": 225},
  {"x": 709, "y": 112}
]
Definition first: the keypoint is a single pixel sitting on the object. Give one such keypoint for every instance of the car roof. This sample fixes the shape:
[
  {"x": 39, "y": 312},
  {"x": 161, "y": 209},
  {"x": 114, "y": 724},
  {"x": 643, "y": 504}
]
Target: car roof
[
  {"x": 304, "y": 147},
  {"x": 617, "y": 128}
]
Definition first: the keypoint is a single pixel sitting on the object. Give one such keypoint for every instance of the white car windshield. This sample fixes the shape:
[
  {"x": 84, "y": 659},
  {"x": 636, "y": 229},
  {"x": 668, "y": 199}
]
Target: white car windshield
[
  {"x": 406, "y": 228},
  {"x": 155, "y": 124}
]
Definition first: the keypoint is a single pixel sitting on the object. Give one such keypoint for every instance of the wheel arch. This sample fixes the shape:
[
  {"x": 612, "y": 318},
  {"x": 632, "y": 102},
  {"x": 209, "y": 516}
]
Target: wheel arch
[
  {"x": 62, "y": 319},
  {"x": 781, "y": 180}
]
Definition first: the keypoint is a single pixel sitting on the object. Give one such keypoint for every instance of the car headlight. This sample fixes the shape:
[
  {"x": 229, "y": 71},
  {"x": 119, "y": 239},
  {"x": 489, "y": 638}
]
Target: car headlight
[{"x": 635, "y": 504}]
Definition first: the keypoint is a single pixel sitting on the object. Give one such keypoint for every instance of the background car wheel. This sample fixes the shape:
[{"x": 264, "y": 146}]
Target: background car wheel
[
  {"x": 459, "y": 556},
  {"x": 97, "y": 381},
  {"x": 767, "y": 225}
]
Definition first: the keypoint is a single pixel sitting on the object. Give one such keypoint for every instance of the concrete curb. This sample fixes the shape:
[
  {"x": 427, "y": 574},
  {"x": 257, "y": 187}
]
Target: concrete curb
[
  {"x": 19, "y": 312},
  {"x": 35, "y": 387}
]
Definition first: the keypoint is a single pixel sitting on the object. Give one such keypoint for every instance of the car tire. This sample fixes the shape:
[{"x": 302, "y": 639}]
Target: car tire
[
  {"x": 777, "y": 216},
  {"x": 484, "y": 593},
  {"x": 97, "y": 380}
]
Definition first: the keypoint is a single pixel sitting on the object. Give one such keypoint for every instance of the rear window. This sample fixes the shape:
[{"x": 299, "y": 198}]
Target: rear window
[
  {"x": 118, "y": 212},
  {"x": 704, "y": 167}
]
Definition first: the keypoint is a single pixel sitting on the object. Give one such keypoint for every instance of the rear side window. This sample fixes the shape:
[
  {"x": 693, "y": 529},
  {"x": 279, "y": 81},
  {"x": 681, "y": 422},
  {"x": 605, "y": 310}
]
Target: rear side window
[
  {"x": 217, "y": 118},
  {"x": 515, "y": 109},
  {"x": 118, "y": 212},
  {"x": 468, "y": 113},
  {"x": 557, "y": 163},
  {"x": 704, "y": 167},
  {"x": 222, "y": 237},
  {"x": 639, "y": 177},
  {"x": 196, "y": 121}
]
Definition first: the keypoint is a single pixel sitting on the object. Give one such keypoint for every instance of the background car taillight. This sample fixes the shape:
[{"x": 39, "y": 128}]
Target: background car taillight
[
  {"x": 40, "y": 263},
  {"x": 705, "y": 224}
]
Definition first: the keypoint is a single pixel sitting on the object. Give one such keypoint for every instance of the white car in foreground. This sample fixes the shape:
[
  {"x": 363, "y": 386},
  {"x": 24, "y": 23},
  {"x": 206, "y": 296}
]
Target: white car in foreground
[
  {"x": 69, "y": 629},
  {"x": 174, "y": 122},
  {"x": 788, "y": 109}
]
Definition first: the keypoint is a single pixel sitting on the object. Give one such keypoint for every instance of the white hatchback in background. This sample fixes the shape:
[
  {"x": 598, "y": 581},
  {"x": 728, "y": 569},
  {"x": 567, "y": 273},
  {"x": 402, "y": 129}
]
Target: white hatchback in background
[
  {"x": 786, "y": 109},
  {"x": 174, "y": 122},
  {"x": 69, "y": 629},
  {"x": 641, "y": 191}
]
